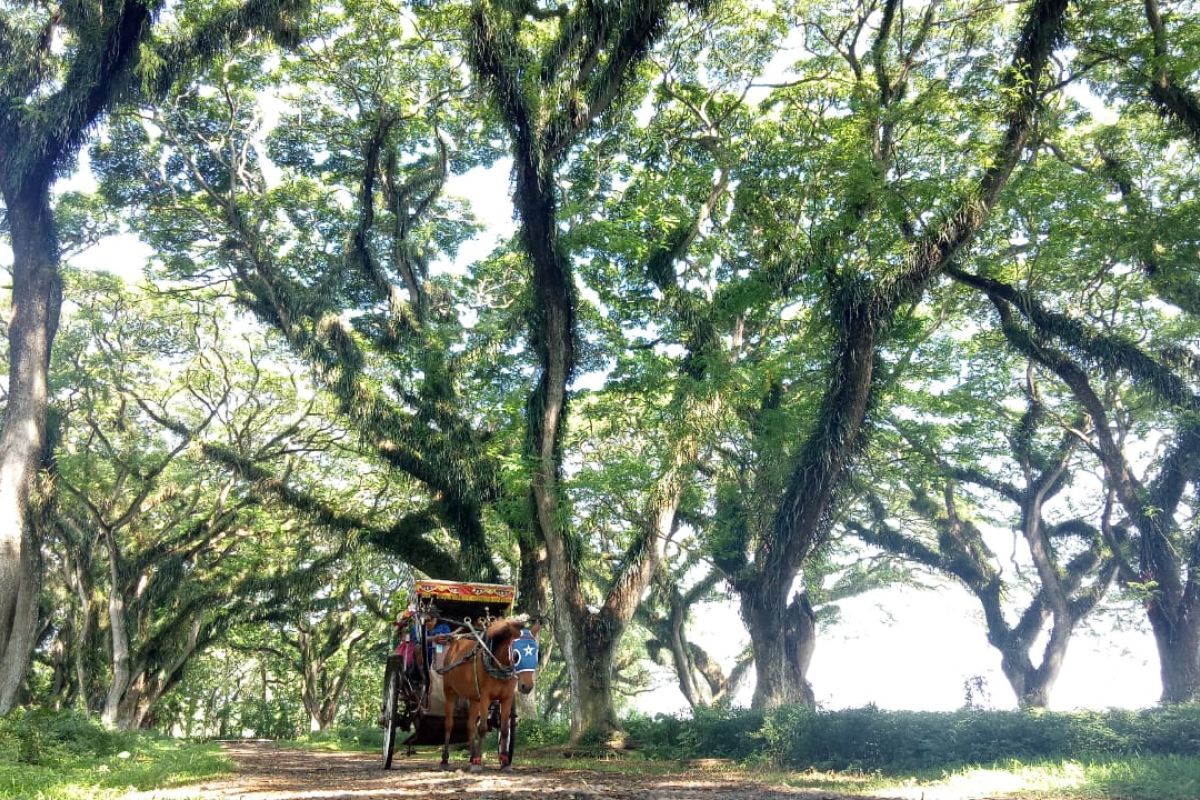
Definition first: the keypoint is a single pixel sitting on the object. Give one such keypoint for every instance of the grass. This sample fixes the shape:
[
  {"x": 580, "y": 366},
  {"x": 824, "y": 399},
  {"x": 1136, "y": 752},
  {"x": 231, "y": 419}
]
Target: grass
[
  {"x": 348, "y": 739},
  {"x": 67, "y": 757},
  {"x": 1118, "y": 778},
  {"x": 1134, "y": 777}
]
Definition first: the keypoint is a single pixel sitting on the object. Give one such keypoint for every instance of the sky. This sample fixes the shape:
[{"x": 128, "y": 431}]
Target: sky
[{"x": 915, "y": 649}]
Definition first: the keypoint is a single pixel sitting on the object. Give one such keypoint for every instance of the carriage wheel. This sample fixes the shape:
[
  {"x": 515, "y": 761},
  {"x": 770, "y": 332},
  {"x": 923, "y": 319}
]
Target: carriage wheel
[{"x": 391, "y": 693}]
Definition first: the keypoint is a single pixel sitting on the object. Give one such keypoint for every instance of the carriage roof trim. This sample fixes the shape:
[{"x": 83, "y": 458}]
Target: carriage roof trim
[{"x": 500, "y": 596}]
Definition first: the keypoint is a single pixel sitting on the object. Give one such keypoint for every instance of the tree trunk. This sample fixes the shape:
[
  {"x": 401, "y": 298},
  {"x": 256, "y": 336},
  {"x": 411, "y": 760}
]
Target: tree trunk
[
  {"x": 783, "y": 639},
  {"x": 593, "y": 714},
  {"x": 681, "y": 654},
  {"x": 83, "y": 642},
  {"x": 1030, "y": 689},
  {"x": 119, "y": 633},
  {"x": 36, "y": 299},
  {"x": 1030, "y": 684},
  {"x": 1178, "y": 640}
]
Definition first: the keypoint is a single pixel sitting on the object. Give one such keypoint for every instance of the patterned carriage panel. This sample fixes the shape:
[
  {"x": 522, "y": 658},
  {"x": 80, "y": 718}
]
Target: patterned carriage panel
[{"x": 491, "y": 593}]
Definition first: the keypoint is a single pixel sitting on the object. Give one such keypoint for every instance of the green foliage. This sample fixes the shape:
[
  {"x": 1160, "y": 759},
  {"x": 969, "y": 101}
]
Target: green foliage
[
  {"x": 535, "y": 733},
  {"x": 351, "y": 737},
  {"x": 68, "y": 756},
  {"x": 47, "y": 738},
  {"x": 726, "y": 224},
  {"x": 869, "y": 739},
  {"x": 709, "y": 733}
]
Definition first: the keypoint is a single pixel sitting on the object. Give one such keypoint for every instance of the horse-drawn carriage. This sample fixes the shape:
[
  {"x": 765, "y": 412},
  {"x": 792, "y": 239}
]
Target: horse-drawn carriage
[{"x": 457, "y": 641}]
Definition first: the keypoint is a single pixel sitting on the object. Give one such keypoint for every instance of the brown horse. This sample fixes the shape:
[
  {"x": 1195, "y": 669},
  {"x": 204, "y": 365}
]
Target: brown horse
[{"x": 487, "y": 672}]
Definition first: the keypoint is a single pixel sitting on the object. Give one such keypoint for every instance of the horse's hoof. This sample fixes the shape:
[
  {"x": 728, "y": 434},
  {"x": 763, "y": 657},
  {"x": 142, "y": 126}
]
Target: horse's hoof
[
  {"x": 506, "y": 767},
  {"x": 444, "y": 766},
  {"x": 476, "y": 768}
]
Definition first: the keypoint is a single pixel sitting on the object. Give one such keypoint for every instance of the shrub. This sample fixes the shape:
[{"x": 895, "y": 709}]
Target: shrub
[
  {"x": 347, "y": 736},
  {"x": 46, "y": 754},
  {"x": 49, "y": 738},
  {"x": 709, "y": 733},
  {"x": 871, "y": 739},
  {"x": 533, "y": 732}
]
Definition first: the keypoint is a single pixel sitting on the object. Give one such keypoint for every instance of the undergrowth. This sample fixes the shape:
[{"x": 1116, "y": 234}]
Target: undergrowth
[
  {"x": 868, "y": 739},
  {"x": 68, "y": 756}
]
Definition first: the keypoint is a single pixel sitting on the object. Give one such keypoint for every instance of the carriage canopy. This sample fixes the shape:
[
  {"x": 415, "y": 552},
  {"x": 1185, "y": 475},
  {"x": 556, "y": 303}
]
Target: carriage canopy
[{"x": 458, "y": 600}]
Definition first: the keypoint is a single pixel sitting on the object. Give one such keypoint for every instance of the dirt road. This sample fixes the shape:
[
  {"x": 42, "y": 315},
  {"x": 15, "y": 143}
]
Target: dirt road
[{"x": 268, "y": 772}]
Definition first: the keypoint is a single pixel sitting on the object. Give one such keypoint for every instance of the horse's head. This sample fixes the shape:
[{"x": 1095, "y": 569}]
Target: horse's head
[{"x": 516, "y": 647}]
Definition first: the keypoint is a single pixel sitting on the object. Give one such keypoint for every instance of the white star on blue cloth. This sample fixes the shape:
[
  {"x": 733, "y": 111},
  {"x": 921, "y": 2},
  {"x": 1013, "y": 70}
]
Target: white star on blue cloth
[{"x": 529, "y": 651}]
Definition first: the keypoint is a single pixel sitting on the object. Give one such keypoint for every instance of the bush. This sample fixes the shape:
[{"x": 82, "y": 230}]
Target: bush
[
  {"x": 58, "y": 755},
  {"x": 348, "y": 736},
  {"x": 709, "y": 733},
  {"x": 533, "y": 732},
  {"x": 870, "y": 739},
  {"x": 48, "y": 738}
]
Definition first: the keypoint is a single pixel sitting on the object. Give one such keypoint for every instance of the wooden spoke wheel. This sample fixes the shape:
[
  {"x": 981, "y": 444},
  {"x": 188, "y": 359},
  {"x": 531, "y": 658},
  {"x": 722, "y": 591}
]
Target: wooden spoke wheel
[{"x": 391, "y": 696}]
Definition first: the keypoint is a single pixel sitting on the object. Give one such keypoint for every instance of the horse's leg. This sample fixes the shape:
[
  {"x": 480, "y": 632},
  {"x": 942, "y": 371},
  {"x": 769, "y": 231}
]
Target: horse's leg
[
  {"x": 505, "y": 736},
  {"x": 448, "y": 710},
  {"x": 475, "y": 730}
]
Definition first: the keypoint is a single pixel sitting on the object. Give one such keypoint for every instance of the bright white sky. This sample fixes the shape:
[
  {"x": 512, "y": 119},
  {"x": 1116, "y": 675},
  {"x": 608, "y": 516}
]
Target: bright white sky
[{"x": 913, "y": 649}]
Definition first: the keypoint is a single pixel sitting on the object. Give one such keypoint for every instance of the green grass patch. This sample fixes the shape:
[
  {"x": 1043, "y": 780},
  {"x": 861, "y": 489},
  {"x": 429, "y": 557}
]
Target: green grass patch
[
  {"x": 66, "y": 756},
  {"x": 344, "y": 738},
  {"x": 1118, "y": 778},
  {"x": 1127, "y": 778},
  {"x": 1119, "y": 755}
]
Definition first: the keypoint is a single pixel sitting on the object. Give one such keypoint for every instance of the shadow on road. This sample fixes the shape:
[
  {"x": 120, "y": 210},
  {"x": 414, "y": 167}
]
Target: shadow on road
[{"x": 267, "y": 772}]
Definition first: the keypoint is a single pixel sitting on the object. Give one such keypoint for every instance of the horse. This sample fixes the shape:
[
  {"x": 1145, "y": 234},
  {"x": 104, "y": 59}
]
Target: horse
[{"x": 486, "y": 671}]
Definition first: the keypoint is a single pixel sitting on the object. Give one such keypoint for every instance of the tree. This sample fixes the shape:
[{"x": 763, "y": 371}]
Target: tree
[
  {"x": 179, "y": 551},
  {"x": 701, "y": 680},
  {"x": 304, "y": 264},
  {"x": 937, "y": 469},
  {"x": 65, "y": 67},
  {"x": 1120, "y": 343},
  {"x": 1151, "y": 541},
  {"x": 323, "y": 645},
  {"x": 588, "y": 55},
  {"x": 869, "y": 276}
]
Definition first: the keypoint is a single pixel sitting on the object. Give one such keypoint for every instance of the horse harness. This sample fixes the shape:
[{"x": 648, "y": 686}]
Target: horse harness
[{"x": 490, "y": 663}]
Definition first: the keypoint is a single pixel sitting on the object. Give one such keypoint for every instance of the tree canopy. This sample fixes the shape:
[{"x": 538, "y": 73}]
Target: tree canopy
[{"x": 798, "y": 300}]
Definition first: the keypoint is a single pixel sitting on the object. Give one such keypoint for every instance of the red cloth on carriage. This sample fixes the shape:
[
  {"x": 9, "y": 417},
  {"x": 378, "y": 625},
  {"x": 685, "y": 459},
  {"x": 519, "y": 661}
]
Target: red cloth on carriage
[{"x": 407, "y": 650}]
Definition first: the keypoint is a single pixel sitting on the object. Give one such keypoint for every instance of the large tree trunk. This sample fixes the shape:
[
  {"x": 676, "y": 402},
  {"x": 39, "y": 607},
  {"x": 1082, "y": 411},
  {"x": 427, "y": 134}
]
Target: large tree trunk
[
  {"x": 119, "y": 631},
  {"x": 593, "y": 711},
  {"x": 1178, "y": 640},
  {"x": 36, "y": 299},
  {"x": 1035, "y": 683},
  {"x": 1030, "y": 685},
  {"x": 783, "y": 637}
]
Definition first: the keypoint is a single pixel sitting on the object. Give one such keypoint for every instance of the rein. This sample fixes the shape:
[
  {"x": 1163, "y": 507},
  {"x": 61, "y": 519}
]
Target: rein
[{"x": 491, "y": 664}]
